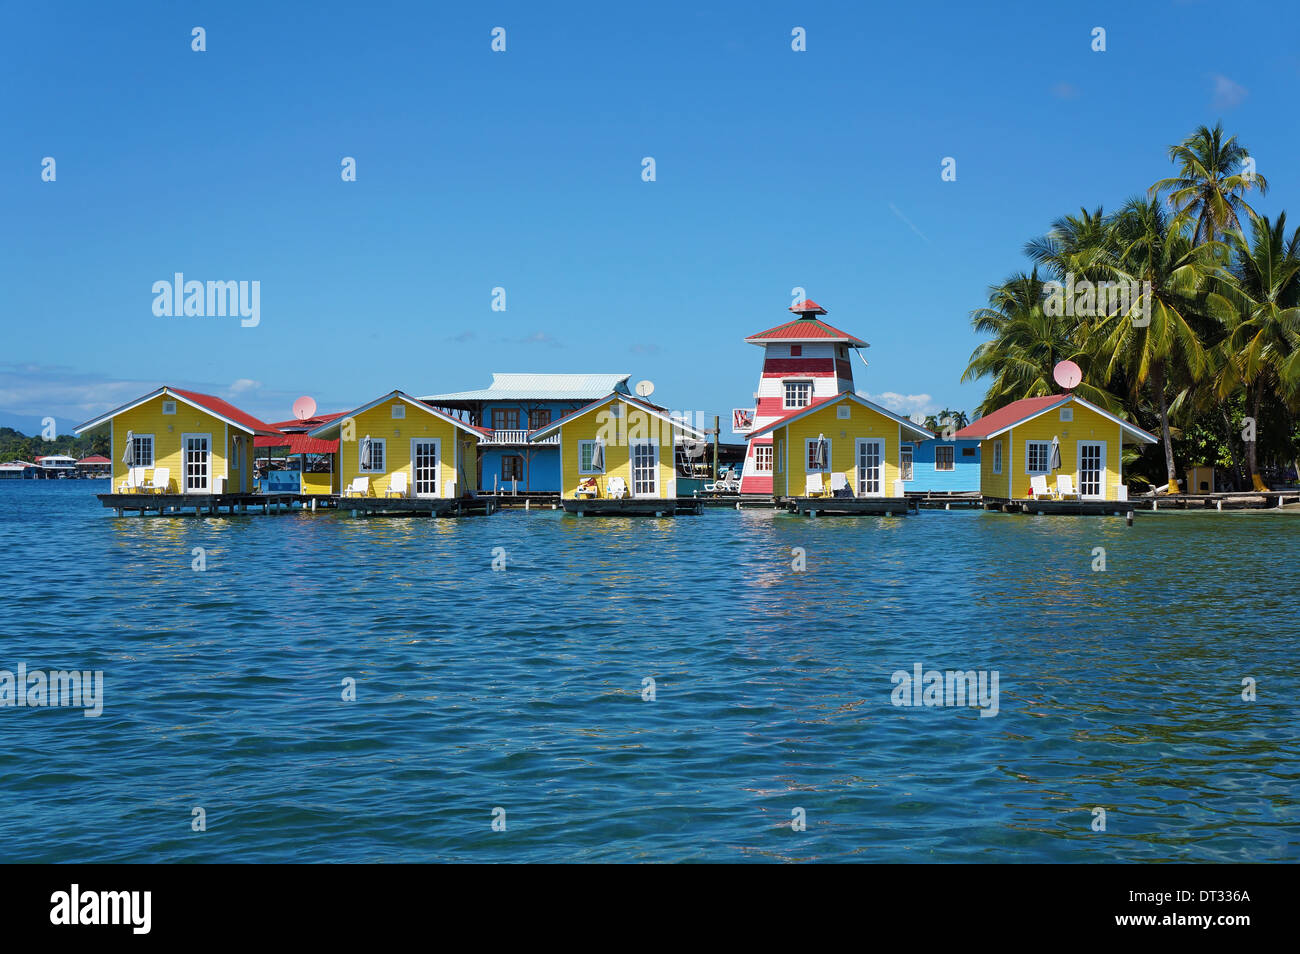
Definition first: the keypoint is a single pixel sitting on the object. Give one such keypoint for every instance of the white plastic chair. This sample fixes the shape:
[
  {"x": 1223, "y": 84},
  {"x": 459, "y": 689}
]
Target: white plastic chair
[
  {"x": 838, "y": 482},
  {"x": 161, "y": 480},
  {"x": 360, "y": 486},
  {"x": 1038, "y": 484},
  {"x": 616, "y": 488},
  {"x": 396, "y": 485},
  {"x": 813, "y": 486},
  {"x": 132, "y": 482},
  {"x": 1065, "y": 487}
]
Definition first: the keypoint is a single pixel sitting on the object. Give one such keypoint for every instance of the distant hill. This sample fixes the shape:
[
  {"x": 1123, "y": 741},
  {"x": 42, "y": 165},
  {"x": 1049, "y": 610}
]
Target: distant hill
[{"x": 15, "y": 445}]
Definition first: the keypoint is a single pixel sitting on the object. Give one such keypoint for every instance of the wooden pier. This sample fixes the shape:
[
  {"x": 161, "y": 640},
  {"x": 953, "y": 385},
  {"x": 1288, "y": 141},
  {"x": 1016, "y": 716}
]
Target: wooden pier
[
  {"x": 418, "y": 506},
  {"x": 209, "y": 505},
  {"x": 850, "y": 506},
  {"x": 1244, "y": 500},
  {"x": 632, "y": 506}
]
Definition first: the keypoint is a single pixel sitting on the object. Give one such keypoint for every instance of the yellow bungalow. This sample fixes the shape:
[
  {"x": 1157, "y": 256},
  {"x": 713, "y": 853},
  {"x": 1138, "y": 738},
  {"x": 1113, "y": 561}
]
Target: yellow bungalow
[
  {"x": 619, "y": 447},
  {"x": 398, "y": 446},
  {"x": 840, "y": 446},
  {"x": 1054, "y": 447},
  {"x": 173, "y": 441}
]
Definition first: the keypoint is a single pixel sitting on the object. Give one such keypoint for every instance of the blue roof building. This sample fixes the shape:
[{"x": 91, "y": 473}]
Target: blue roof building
[{"x": 511, "y": 406}]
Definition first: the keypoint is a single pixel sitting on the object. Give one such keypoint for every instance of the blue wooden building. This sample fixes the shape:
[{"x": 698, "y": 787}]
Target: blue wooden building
[
  {"x": 942, "y": 466},
  {"x": 510, "y": 407}
]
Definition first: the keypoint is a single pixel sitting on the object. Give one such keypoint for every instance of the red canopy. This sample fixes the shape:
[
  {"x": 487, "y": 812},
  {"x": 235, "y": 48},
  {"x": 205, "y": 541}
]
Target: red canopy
[{"x": 298, "y": 444}]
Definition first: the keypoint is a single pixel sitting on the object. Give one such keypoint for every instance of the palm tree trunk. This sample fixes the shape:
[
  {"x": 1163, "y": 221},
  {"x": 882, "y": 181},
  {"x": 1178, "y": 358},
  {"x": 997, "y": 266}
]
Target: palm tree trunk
[
  {"x": 1158, "y": 382},
  {"x": 1252, "y": 456},
  {"x": 1232, "y": 449}
]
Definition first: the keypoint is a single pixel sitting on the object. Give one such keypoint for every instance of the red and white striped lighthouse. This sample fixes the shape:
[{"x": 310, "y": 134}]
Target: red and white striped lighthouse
[{"x": 804, "y": 360}]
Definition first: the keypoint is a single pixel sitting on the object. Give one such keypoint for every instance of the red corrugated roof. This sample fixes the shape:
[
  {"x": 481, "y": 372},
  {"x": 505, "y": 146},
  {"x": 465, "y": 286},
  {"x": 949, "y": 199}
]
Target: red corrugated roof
[
  {"x": 298, "y": 444},
  {"x": 224, "y": 408},
  {"x": 313, "y": 422},
  {"x": 807, "y": 305},
  {"x": 95, "y": 459},
  {"x": 807, "y": 329},
  {"x": 1006, "y": 416}
]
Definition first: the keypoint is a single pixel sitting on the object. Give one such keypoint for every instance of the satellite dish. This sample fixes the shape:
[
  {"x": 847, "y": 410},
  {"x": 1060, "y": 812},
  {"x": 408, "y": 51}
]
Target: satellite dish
[
  {"x": 645, "y": 388},
  {"x": 1067, "y": 375},
  {"x": 304, "y": 408}
]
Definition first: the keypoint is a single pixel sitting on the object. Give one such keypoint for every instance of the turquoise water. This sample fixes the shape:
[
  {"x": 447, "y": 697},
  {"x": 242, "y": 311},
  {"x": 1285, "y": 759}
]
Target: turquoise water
[{"x": 522, "y": 689}]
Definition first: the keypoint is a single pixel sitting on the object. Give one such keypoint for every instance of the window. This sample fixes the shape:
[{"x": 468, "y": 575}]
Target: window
[
  {"x": 505, "y": 419},
  {"x": 780, "y": 456},
  {"x": 1067, "y": 414},
  {"x": 763, "y": 458},
  {"x": 796, "y": 350},
  {"x": 818, "y": 457},
  {"x": 399, "y": 412},
  {"x": 997, "y": 458},
  {"x": 905, "y": 462},
  {"x": 943, "y": 457},
  {"x": 378, "y": 455},
  {"x": 142, "y": 450},
  {"x": 539, "y": 418},
  {"x": 798, "y": 393},
  {"x": 512, "y": 468},
  {"x": 968, "y": 452},
  {"x": 169, "y": 407},
  {"x": 843, "y": 412},
  {"x": 1036, "y": 456},
  {"x": 586, "y": 464}
]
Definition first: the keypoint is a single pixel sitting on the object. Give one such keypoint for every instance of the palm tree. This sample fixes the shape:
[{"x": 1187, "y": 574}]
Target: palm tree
[
  {"x": 1026, "y": 346},
  {"x": 1210, "y": 183},
  {"x": 1164, "y": 349},
  {"x": 1075, "y": 245},
  {"x": 1261, "y": 347}
]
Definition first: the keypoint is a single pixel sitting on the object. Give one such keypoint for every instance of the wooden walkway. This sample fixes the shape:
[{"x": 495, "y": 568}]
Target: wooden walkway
[
  {"x": 1246, "y": 500},
  {"x": 631, "y": 506},
  {"x": 418, "y": 506},
  {"x": 850, "y": 506},
  {"x": 200, "y": 505}
]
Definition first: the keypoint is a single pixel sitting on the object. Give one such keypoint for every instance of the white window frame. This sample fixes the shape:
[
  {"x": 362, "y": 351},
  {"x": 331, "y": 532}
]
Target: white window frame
[
  {"x": 1047, "y": 456},
  {"x": 807, "y": 455},
  {"x": 184, "y": 477},
  {"x": 398, "y": 412},
  {"x": 997, "y": 457},
  {"x": 1067, "y": 414},
  {"x": 952, "y": 466},
  {"x": 169, "y": 407},
  {"x": 906, "y": 461},
  {"x": 586, "y": 470},
  {"x": 135, "y": 455},
  {"x": 762, "y": 451},
  {"x": 383, "y": 454},
  {"x": 795, "y": 383}
]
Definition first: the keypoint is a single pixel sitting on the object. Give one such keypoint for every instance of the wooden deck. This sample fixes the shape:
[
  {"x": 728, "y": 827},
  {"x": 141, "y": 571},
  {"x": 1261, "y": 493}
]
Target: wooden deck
[
  {"x": 418, "y": 506},
  {"x": 849, "y": 506},
  {"x": 1245, "y": 500},
  {"x": 200, "y": 505},
  {"x": 631, "y": 506}
]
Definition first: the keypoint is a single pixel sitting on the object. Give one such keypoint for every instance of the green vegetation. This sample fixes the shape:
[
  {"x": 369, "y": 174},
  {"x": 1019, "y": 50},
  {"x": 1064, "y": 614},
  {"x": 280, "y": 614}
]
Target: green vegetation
[
  {"x": 14, "y": 445},
  {"x": 1182, "y": 309}
]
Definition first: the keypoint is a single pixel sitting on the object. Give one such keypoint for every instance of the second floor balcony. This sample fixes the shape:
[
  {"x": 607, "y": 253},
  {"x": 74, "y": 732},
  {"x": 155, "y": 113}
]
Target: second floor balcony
[{"x": 507, "y": 436}]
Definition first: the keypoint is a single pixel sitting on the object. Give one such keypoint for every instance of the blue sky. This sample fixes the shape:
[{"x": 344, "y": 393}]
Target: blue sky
[{"x": 522, "y": 169}]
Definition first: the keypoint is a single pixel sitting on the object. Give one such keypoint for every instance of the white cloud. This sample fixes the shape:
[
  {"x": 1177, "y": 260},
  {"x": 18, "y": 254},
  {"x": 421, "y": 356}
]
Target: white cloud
[
  {"x": 905, "y": 404},
  {"x": 244, "y": 385},
  {"x": 1227, "y": 94}
]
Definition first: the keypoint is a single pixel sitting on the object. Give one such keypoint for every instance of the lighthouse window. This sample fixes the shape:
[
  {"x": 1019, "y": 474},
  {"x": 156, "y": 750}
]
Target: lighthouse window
[
  {"x": 763, "y": 458},
  {"x": 798, "y": 393}
]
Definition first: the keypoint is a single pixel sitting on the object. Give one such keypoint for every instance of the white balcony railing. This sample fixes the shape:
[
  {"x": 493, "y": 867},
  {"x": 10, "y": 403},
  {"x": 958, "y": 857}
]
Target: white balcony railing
[{"x": 518, "y": 437}]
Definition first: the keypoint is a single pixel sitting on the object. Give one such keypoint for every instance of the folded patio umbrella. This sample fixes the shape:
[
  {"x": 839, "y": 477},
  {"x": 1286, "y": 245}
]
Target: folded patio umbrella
[
  {"x": 364, "y": 458},
  {"x": 819, "y": 453},
  {"x": 598, "y": 456},
  {"x": 1056, "y": 454},
  {"x": 128, "y": 455}
]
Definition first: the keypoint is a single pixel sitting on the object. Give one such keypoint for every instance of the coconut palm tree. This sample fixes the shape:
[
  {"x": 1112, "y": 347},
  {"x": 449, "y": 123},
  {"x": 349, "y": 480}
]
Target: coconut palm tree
[
  {"x": 1211, "y": 179},
  {"x": 1026, "y": 346},
  {"x": 1260, "y": 349},
  {"x": 1155, "y": 343}
]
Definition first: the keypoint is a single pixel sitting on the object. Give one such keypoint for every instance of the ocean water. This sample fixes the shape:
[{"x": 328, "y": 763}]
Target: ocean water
[{"x": 523, "y": 689}]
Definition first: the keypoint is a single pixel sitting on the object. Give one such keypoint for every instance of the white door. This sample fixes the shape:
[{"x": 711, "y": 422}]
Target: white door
[
  {"x": 196, "y": 459},
  {"x": 871, "y": 468},
  {"x": 645, "y": 469},
  {"x": 1092, "y": 469},
  {"x": 424, "y": 466}
]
